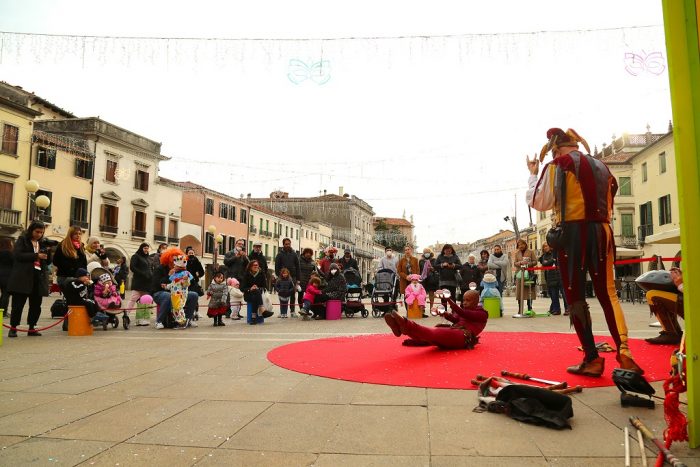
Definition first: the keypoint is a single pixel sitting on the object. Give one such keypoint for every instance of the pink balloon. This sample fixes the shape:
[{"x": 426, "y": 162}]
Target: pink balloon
[{"x": 146, "y": 299}]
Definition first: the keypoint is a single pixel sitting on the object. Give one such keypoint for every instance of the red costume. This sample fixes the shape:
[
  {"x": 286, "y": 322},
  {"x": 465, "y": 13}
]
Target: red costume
[{"x": 467, "y": 324}]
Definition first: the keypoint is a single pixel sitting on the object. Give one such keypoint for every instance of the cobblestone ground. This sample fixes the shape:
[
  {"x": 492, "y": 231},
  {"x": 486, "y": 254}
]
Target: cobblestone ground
[{"x": 209, "y": 396}]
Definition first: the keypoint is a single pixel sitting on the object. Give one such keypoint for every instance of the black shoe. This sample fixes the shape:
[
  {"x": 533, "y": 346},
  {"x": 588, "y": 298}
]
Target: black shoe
[
  {"x": 33, "y": 333},
  {"x": 555, "y": 313},
  {"x": 12, "y": 333},
  {"x": 267, "y": 313}
]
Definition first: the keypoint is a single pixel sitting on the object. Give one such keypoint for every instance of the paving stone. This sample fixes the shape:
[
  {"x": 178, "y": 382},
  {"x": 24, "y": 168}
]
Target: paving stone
[
  {"x": 482, "y": 461},
  {"x": 239, "y": 458},
  {"x": 46, "y": 451},
  {"x": 46, "y": 417},
  {"x": 289, "y": 428},
  {"x": 123, "y": 421},
  {"x": 241, "y": 388},
  {"x": 6, "y": 441},
  {"x": 378, "y": 394},
  {"x": 358, "y": 460},
  {"x": 81, "y": 384},
  {"x": 36, "y": 380},
  {"x": 313, "y": 390},
  {"x": 389, "y": 430},
  {"x": 149, "y": 456},
  {"x": 208, "y": 423},
  {"x": 11, "y": 402},
  {"x": 451, "y": 397}
]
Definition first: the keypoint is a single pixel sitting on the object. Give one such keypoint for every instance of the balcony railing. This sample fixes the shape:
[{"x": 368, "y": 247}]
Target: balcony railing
[
  {"x": 160, "y": 238},
  {"x": 265, "y": 233},
  {"x": 643, "y": 231},
  {"x": 81, "y": 224},
  {"x": 276, "y": 235},
  {"x": 10, "y": 217},
  {"x": 253, "y": 229},
  {"x": 109, "y": 229},
  {"x": 138, "y": 233},
  {"x": 627, "y": 241},
  {"x": 174, "y": 240}
]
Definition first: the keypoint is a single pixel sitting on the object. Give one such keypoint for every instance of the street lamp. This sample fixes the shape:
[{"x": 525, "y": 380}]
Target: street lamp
[
  {"x": 42, "y": 201},
  {"x": 217, "y": 240}
]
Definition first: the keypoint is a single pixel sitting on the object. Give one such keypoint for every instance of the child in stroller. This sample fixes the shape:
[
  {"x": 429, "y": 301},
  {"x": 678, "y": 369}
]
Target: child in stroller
[
  {"x": 385, "y": 288},
  {"x": 353, "y": 296},
  {"x": 107, "y": 297}
]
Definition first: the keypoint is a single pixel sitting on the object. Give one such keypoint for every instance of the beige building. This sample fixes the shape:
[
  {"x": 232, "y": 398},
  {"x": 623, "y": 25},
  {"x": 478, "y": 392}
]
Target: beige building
[
  {"x": 404, "y": 226},
  {"x": 270, "y": 228},
  {"x": 127, "y": 199},
  {"x": 16, "y": 126},
  {"x": 315, "y": 235}
]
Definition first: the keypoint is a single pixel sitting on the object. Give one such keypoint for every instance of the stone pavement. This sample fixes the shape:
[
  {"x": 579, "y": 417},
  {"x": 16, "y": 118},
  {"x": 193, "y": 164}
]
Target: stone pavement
[{"x": 209, "y": 396}]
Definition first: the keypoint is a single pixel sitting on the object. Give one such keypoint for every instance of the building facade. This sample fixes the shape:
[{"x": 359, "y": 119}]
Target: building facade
[
  {"x": 270, "y": 228},
  {"x": 316, "y": 236}
]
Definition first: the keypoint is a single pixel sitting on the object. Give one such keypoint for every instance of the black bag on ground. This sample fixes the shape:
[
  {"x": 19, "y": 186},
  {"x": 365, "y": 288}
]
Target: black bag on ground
[
  {"x": 59, "y": 308},
  {"x": 537, "y": 406}
]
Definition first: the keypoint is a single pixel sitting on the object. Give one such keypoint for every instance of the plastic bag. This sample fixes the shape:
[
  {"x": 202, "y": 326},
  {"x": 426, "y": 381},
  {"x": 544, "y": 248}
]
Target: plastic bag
[{"x": 266, "y": 301}]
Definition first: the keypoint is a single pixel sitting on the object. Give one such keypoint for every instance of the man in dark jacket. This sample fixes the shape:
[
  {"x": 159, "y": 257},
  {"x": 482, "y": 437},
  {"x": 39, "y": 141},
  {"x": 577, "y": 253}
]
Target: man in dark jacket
[
  {"x": 141, "y": 267},
  {"x": 287, "y": 258},
  {"x": 347, "y": 261},
  {"x": 259, "y": 256},
  {"x": 553, "y": 280},
  {"x": 307, "y": 266},
  {"x": 236, "y": 261}
]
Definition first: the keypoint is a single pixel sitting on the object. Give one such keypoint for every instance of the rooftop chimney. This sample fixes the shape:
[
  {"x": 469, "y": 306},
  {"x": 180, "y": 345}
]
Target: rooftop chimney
[
  {"x": 340, "y": 191},
  {"x": 324, "y": 192}
]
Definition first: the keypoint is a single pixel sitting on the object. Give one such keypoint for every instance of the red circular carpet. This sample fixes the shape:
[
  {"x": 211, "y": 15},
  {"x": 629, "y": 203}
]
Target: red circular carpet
[{"x": 381, "y": 359}]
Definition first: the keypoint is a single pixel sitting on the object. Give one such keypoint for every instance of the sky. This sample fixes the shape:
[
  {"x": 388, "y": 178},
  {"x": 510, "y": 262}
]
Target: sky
[{"x": 427, "y": 108}]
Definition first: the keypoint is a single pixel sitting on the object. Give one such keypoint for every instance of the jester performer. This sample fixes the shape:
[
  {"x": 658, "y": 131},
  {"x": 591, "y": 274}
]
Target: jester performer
[
  {"x": 467, "y": 323},
  {"x": 580, "y": 189},
  {"x": 171, "y": 289}
]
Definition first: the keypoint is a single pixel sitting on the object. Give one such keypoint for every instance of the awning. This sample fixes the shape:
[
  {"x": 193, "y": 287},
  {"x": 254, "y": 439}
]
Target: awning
[
  {"x": 628, "y": 253},
  {"x": 668, "y": 237}
]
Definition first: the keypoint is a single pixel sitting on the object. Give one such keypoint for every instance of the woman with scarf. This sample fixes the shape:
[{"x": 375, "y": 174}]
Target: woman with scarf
[
  {"x": 95, "y": 252},
  {"x": 524, "y": 258},
  {"x": 253, "y": 285},
  {"x": 428, "y": 274},
  {"x": 407, "y": 265},
  {"x": 447, "y": 264},
  {"x": 69, "y": 256}
]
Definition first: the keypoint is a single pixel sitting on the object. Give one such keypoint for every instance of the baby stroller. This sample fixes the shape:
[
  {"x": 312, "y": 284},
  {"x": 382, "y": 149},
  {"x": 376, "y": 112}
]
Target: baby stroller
[
  {"x": 385, "y": 289},
  {"x": 353, "y": 296},
  {"x": 112, "y": 318}
]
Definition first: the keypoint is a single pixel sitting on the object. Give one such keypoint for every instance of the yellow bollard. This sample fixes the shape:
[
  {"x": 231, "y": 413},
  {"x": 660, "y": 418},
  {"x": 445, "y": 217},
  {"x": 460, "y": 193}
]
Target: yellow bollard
[{"x": 78, "y": 321}]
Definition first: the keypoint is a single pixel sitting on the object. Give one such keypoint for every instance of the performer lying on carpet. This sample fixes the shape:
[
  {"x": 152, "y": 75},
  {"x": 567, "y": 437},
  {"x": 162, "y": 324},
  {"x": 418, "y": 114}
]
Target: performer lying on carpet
[{"x": 467, "y": 322}]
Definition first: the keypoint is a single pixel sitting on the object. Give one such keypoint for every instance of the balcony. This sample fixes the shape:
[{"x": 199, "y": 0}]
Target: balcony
[
  {"x": 160, "y": 238},
  {"x": 10, "y": 218},
  {"x": 266, "y": 233},
  {"x": 81, "y": 224},
  {"x": 138, "y": 233},
  {"x": 174, "y": 240},
  {"x": 109, "y": 229},
  {"x": 253, "y": 229},
  {"x": 644, "y": 231},
  {"x": 627, "y": 241},
  {"x": 276, "y": 235}
]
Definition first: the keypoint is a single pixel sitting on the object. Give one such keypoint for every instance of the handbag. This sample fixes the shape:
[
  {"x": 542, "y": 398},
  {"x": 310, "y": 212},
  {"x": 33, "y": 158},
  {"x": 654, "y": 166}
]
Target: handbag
[
  {"x": 59, "y": 308},
  {"x": 266, "y": 301}
]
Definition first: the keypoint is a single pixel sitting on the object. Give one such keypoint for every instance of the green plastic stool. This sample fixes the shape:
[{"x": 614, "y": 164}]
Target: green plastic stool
[{"x": 493, "y": 306}]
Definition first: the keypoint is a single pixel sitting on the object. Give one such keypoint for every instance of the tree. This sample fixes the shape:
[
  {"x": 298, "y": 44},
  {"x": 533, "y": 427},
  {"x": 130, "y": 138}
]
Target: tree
[{"x": 389, "y": 237}]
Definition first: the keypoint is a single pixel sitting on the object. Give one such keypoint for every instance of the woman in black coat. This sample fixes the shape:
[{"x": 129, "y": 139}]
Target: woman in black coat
[
  {"x": 194, "y": 267},
  {"x": 335, "y": 289},
  {"x": 29, "y": 278},
  {"x": 447, "y": 264},
  {"x": 6, "y": 262},
  {"x": 140, "y": 266},
  {"x": 69, "y": 256},
  {"x": 253, "y": 285}
]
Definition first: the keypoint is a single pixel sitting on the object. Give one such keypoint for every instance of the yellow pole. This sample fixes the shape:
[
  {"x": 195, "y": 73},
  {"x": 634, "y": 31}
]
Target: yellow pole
[{"x": 683, "y": 51}]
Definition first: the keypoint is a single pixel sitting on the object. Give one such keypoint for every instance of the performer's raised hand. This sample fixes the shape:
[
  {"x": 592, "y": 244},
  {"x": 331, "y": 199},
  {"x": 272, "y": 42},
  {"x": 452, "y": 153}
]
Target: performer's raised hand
[{"x": 533, "y": 165}]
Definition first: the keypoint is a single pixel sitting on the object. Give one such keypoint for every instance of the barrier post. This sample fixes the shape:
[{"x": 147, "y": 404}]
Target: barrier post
[{"x": 681, "y": 19}]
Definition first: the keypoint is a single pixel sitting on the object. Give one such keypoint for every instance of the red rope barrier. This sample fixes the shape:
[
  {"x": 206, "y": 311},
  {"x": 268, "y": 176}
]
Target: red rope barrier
[{"x": 40, "y": 329}]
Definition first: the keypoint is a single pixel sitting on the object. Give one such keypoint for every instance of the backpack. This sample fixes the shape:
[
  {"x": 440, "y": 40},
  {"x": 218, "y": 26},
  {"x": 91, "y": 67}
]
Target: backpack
[{"x": 59, "y": 308}]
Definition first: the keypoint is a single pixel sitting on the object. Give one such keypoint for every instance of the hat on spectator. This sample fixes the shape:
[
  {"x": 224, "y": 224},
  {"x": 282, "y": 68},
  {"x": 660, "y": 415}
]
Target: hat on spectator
[{"x": 81, "y": 272}]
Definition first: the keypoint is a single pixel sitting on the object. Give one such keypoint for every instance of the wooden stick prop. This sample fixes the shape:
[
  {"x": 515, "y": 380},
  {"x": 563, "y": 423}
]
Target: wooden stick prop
[
  {"x": 627, "y": 447},
  {"x": 642, "y": 447},
  {"x": 670, "y": 458},
  {"x": 527, "y": 377},
  {"x": 575, "y": 389},
  {"x": 561, "y": 388}
]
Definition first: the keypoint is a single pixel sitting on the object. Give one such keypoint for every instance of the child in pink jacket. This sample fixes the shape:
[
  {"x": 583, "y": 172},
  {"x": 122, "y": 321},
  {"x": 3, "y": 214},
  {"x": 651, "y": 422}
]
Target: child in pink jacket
[
  {"x": 415, "y": 291},
  {"x": 312, "y": 290}
]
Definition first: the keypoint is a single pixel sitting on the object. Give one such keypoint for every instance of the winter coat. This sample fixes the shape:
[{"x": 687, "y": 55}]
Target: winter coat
[
  {"x": 407, "y": 265},
  {"x": 67, "y": 266},
  {"x": 94, "y": 257},
  {"x": 306, "y": 267},
  {"x": 218, "y": 295},
  {"x": 194, "y": 267},
  {"x": 551, "y": 277},
  {"x": 235, "y": 265},
  {"x": 284, "y": 287},
  {"x": 235, "y": 295},
  {"x": 325, "y": 265},
  {"x": 140, "y": 266},
  {"x": 447, "y": 275},
  {"x": 388, "y": 263},
  {"x": 470, "y": 273},
  {"x": 500, "y": 266},
  {"x": 348, "y": 263},
  {"x": 76, "y": 292},
  {"x": 112, "y": 300},
  {"x": 311, "y": 292},
  {"x": 289, "y": 260},
  {"x": 414, "y": 293},
  {"x": 160, "y": 276},
  {"x": 261, "y": 259},
  {"x": 6, "y": 262},
  {"x": 431, "y": 282},
  {"x": 23, "y": 275},
  {"x": 337, "y": 287},
  {"x": 490, "y": 289},
  {"x": 249, "y": 280},
  {"x": 527, "y": 259}
]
